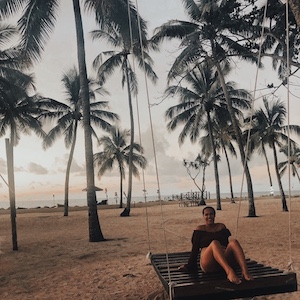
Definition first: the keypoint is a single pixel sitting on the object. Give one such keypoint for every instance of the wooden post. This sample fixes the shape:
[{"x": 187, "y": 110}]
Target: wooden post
[{"x": 11, "y": 185}]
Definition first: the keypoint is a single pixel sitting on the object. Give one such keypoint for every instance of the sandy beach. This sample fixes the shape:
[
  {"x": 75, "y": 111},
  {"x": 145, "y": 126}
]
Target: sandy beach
[{"x": 56, "y": 261}]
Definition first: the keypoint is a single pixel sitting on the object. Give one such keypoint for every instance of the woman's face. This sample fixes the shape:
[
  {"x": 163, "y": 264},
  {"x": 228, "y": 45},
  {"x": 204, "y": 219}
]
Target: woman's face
[{"x": 209, "y": 216}]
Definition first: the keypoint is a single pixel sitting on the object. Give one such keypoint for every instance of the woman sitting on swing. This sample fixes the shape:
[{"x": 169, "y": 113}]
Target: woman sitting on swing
[{"x": 217, "y": 252}]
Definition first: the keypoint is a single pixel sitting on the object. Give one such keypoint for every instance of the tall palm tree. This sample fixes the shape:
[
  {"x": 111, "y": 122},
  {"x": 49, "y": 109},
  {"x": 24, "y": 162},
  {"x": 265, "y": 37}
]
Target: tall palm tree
[
  {"x": 126, "y": 43},
  {"x": 116, "y": 150},
  {"x": 268, "y": 128},
  {"x": 36, "y": 22},
  {"x": 69, "y": 116},
  {"x": 215, "y": 33},
  {"x": 199, "y": 102},
  {"x": 223, "y": 137},
  {"x": 293, "y": 158}
]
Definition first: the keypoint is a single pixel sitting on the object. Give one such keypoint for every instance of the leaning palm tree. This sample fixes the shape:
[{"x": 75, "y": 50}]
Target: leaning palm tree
[
  {"x": 268, "y": 128},
  {"x": 126, "y": 44},
  {"x": 215, "y": 33},
  {"x": 69, "y": 116},
  {"x": 116, "y": 150},
  {"x": 36, "y": 22}
]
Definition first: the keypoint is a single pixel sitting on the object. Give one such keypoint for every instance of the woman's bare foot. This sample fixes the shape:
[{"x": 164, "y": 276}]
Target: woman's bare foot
[
  {"x": 183, "y": 268},
  {"x": 247, "y": 276},
  {"x": 231, "y": 276}
]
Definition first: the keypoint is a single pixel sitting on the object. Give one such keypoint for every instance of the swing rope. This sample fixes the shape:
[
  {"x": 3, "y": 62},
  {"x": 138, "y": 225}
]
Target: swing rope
[
  {"x": 139, "y": 125},
  {"x": 154, "y": 149},
  {"x": 290, "y": 264},
  {"x": 171, "y": 285},
  {"x": 252, "y": 112}
]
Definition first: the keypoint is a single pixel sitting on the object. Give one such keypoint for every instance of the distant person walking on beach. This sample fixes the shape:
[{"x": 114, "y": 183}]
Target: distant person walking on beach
[{"x": 217, "y": 252}]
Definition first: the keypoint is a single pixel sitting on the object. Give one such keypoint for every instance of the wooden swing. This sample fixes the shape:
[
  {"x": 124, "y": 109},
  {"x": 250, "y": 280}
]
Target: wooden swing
[{"x": 199, "y": 285}]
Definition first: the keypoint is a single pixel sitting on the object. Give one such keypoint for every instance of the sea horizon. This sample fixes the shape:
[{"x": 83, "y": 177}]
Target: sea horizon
[{"x": 137, "y": 199}]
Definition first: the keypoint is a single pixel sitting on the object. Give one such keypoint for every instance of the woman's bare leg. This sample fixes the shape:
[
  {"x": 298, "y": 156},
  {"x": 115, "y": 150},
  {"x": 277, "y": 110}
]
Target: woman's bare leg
[
  {"x": 235, "y": 250},
  {"x": 214, "y": 256}
]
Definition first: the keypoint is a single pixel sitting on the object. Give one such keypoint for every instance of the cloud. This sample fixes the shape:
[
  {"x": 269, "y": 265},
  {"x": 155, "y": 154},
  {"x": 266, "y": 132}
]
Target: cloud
[
  {"x": 37, "y": 169},
  {"x": 75, "y": 167}
]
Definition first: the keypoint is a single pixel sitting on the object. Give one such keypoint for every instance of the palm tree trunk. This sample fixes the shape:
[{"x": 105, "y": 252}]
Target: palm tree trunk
[
  {"x": 12, "y": 194},
  {"x": 229, "y": 173},
  {"x": 218, "y": 196},
  {"x": 126, "y": 211},
  {"x": 121, "y": 187},
  {"x": 66, "y": 203},
  {"x": 95, "y": 233},
  {"x": 251, "y": 209},
  {"x": 283, "y": 199},
  {"x": 268, "y": 166},
  {"x": 202, "y": 200}
]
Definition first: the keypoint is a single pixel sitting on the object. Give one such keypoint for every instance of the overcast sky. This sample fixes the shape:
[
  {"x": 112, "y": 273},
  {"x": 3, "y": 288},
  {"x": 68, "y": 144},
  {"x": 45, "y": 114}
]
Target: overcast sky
[{"x": 40, "y": 174}]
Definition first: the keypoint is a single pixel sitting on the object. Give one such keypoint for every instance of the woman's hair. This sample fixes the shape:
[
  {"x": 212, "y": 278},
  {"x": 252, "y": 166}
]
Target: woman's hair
[{"x": 208, "y": 207}]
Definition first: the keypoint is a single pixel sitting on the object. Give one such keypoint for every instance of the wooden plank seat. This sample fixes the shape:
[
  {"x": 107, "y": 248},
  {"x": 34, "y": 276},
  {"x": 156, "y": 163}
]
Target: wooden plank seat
[{"x": 199, "y": 285}]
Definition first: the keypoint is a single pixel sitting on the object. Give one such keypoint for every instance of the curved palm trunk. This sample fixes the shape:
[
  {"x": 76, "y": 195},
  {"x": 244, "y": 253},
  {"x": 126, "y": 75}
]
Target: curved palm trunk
[
  {"x": 268, "y": 166},
  {"x": 121, "y": 187},
  {"x": 215, "y": 163},
  {"x": 95, "y": 233},
  {"x": 283, "y": 199},
  {"x": 251, "y": 209},
  {"x": 67, "y": 180},
  {"x": 126, "y": 211},
  {"x": 229, "y": 173}
]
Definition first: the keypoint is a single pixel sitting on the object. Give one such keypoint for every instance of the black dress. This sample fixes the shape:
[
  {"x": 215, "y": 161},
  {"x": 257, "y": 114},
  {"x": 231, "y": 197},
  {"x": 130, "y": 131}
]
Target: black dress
[{"x": 202, "y": 239}]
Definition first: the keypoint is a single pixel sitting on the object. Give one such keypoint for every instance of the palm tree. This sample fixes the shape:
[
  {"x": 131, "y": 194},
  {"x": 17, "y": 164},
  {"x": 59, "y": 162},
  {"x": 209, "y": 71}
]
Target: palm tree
[
  {"x": 127, "y": 43},
  {"x": 293, "y": 158},
  {"x": 18, "y": 110},
  {"x": 199, "y": 102},
  {"x": 116, "y": 150},
  {"x": 19, "y": 114},
  {"x": 223, "y": 137},
  {"x": 267, "y": 128},
  {"x": 275, "y": 33},
  {"x": 216, "y": 33},
  {"x": 36, "y": 23},
  {"x": 70, "y": 116}
]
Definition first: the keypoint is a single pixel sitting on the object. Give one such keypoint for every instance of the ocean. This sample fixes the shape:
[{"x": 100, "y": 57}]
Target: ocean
[
  {"x": 72, "y": 202},
  {"x": 112, "y": 201}
]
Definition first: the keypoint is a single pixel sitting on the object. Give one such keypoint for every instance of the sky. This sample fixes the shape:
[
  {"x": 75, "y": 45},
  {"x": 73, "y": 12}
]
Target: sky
[{"x": 40, "y": 174}]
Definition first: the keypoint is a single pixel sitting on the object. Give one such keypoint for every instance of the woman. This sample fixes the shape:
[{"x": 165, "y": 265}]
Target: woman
[{"x": 217, "y": 252}]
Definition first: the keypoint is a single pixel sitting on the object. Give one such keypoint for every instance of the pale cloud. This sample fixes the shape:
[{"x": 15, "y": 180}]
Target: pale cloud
[
  {"x": 62, "y": 162},
  {"x": 37, "y": 169}
]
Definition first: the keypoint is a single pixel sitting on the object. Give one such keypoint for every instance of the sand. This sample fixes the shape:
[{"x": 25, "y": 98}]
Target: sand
[{"x": 56, "y": 261}]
